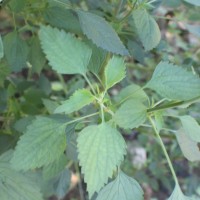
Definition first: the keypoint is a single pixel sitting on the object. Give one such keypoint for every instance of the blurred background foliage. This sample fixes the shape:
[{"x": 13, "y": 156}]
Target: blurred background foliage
[{"x": 29, "y": 87}]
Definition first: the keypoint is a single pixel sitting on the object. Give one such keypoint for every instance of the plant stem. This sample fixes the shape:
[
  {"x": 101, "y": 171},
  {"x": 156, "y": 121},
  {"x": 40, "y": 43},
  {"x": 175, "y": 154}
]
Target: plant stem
[
  {"x": 164, "y": 150},
  {"x": 61, "y": 79},
  {"x": 89, "y": 83},
  {"x": 81, "y": 118},
  {"x": 79, "y": 182},
  {"x": 172, "y": 105},
  {"x": 102, "y": 113}
]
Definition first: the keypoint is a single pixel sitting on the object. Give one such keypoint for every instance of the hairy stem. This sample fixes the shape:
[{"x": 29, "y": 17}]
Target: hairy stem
[
  {"x": 164, "y": 150},
  {"x": 81, "y": 118},
  {"x": 90, "y": 84},
  {"x": 172, "y": 105},
  {"x": 61, "y": 79}
]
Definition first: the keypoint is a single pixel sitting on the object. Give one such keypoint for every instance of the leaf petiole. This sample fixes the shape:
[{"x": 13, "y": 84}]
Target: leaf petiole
[{"x": 164, "y": 150}]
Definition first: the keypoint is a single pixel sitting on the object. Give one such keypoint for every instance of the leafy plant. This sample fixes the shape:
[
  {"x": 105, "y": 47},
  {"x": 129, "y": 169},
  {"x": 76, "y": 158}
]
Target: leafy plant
[{"x": 54, "y": 125}]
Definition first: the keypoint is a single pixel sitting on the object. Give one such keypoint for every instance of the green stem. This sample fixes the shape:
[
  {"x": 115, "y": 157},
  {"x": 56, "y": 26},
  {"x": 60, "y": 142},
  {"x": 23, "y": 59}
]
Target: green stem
[
  {"x": 68, "y": 6},
  {"x": 118, "y": 8},
  {"x": 61, "y": 79},
  {"x": 164, "y": 150},
  {"x": 89, "y": 83},
  {"x": 14, "y": 21},
  {"x": 81, "y": 118},
  {"x": 102, "y": 113},
  {"x": 172, "y": 105}
]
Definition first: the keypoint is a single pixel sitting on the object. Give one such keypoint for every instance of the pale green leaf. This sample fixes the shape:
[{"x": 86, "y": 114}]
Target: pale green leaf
[
  {"x": 62, "y": 184},
  {"x": 16, "y": 51},
  {"x": 122, "y": 188},
  {"x": 193, "y": 2},
  {"x": 54, "y": 168},
  {"x": 115, "y": 71},
  {"x": 66, "y": 54},
  {"x": 50, "y": 105},
  {"x": 194, "y": 29},
  {"x": 14, "y": 185},
  {"x": 178, "y": 195},
  {"x": 77, "y": 101},
  {"x": 131, "y": 114},
  {"x": 101, "y": 149},
  {"x": 43, "y": 143},
  {"x": 101, "y": 33},
  {"x": 132, "y": 91},
  {"x": 1, "y": 48},
  {"x": 191, "y": 127},
  {"x": 189, "y": 147},
  {"x": 147, "y": 29},
  {"x": 174, "y": 82}
]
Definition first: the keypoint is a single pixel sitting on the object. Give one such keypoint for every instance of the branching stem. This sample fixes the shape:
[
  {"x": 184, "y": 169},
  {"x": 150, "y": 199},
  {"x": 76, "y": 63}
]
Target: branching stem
[
  {"x": 81, "y": 118},
  {"x": 164, "y": 150},
  {"x": 90, "y": 84}
]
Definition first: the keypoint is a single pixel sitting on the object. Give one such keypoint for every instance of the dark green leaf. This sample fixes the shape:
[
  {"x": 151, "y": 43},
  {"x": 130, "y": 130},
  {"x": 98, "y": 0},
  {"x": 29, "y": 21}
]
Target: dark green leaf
[
  {"x": 16, "y": 51},
  {"x": 101, "y": 33},
  {"x": 63, "y": 18},
  {"x": 36, "y": 56}
]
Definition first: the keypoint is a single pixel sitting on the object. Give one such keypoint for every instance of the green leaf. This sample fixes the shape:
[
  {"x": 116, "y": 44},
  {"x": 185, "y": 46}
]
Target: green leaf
[
  {"x": 17, "y": 5},
  {"x": 54, "y": 168},
  {"x": 66, "y": 54},
  {"x": 1, "y": 48},
  {"x": 115, "y": 71},
  {"x": 14, "y": 185},
  {"x": 193, "y": 2},
  {"x": 178, "y": 194},
  {"x": 50, "y": 105},
  {"x": 101, "y": 149},
  {"x": 122, "y": 188},
  {"x": 16, "y": 51},
  {"x": 56, "y": 16},
  {"x": 36, "y": 56},
  {"x": 97, "y": 60},
  {"x": 191, "y": 127},
  {"x": 132, "y": 91},
  {"x": 62, "y": 184},
  {"x": 137, "y": 51},
  {"x": 189, "y": 147},
  {"x": 159, "y": 120},
  {"x": 194, "y": 29},
  {"x": 174, "y": 82},
  {"x": 101, "y": 33},
  {"x": 5, "y": 71},
  {"x": 43, "y": 143},
  {"x": 147, "y": 29},
  {"x": 77, "y": 101},
  {"x": 131, "y": 114}
]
